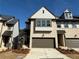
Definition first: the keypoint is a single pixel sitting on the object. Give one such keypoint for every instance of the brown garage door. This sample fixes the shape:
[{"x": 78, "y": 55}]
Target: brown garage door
[
  {"x": 73, "y": 43},
  {"x": 43, "y": 43}
]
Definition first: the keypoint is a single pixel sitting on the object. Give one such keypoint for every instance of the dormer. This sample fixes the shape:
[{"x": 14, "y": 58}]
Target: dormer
[{"x": 68, "y": 14}]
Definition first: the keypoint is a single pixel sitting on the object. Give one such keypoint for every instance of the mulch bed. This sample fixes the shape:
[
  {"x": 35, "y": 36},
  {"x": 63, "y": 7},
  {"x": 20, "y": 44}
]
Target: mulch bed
[
  {"x": 21, "y": 51},
  {"x": 71, "y": 51},
  {"x": 5, "y": 50}
]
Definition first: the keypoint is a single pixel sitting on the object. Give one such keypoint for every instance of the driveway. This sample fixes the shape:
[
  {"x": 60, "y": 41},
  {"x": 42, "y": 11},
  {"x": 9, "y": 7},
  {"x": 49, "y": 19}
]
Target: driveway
[{"x": 45, "y": 53}]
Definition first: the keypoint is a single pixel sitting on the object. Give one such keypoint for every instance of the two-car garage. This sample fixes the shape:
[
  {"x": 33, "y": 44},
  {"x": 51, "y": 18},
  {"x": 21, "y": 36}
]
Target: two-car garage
[{"x": 43, "y": 43}]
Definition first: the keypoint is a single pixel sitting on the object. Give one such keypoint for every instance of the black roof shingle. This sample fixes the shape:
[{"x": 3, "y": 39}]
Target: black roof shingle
[
  {"x": 12, "y": 21},
  {"x": 6, "y": 18}
]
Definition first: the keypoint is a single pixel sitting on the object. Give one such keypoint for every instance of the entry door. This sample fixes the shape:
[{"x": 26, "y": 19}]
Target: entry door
[
  {"x": 5, "y": 40},
  {"x": 60, "y": 40}
]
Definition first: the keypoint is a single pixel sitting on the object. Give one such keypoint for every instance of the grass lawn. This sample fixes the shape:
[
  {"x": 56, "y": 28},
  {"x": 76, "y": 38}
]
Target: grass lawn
[
  {"x": 70, "y": 53},
  {"x": 13, "y": 54}
]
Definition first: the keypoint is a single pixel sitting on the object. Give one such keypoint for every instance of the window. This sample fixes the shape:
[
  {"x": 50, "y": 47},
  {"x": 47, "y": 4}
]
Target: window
[
  {"x": 68, "y": 15},
  {"x": 4, "y": 23},
  {"x": 48, "y": 23},
  {"x": 74, "y": 25},
  {"x": 66, "y": 25},
  {"x": 77, "y": 25},
  {"x": 38, "y": 23},
  {"x": 59, "y": 25},
  {"x": 43, "y": 23},
  {"x": 9, "y": 28},
  {"x": 43, "y": 11}
]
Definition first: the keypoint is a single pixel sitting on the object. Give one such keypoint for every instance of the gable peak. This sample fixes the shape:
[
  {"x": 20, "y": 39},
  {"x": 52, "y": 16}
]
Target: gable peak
[
  {"x": 43, "y": 13},
  {"x": 43, "y": 8}
]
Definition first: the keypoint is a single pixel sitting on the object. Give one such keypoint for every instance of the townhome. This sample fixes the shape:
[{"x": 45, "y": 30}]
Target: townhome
[
  {"x": 50, "y": 31},
  {"x": 9, "y": 31}
]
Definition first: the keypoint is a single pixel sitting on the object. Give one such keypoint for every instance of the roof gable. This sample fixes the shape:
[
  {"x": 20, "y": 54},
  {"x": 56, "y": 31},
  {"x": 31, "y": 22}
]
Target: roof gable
[
  {"x": 43, "y": 13},
  {"x": 5, "y": 17}
]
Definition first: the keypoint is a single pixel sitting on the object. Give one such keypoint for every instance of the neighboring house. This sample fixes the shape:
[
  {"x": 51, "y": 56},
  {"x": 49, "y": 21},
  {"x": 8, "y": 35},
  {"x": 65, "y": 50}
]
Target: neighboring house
[
  {"x": 23, "y": 37},
  {"x": 9, "y": 31},
  {"x": 50, "y": 31}
]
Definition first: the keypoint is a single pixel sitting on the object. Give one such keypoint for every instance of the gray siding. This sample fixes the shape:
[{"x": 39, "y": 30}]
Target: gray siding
[
  {"x": 43, "y": 43},
  {"x": 72, "y": 43}
]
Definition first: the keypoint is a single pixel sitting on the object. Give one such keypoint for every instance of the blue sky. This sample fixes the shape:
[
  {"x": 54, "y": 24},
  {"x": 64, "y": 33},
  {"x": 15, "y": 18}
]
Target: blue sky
[{"x": 23, "y": 9}]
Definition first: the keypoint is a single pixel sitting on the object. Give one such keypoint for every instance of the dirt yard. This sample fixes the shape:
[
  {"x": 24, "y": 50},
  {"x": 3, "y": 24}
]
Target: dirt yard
[{"x": 13, "y": 54}]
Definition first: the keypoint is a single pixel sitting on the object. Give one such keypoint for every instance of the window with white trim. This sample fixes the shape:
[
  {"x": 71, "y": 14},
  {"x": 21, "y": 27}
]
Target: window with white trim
[
  {"x": 48, "y": 23},
  {"x": 9, "y": 28},
  {"x": 58, "y": 25},
  {"x": 68, "y": 15},
  {"x": 74, "y": 25},
  {"x": 43, "y": 23},
  {"x": 38, "y": 23},
  {"x": 66, "y": 25}
]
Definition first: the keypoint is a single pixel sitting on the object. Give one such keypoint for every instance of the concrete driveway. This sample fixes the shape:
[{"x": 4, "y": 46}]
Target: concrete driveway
[{"x": 45, "y": 53}]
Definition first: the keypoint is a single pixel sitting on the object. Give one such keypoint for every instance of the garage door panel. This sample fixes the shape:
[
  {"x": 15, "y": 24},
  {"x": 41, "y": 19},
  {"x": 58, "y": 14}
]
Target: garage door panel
[
  {"x": 43, "y": 43},
  {"x": 73, "y": 43}
]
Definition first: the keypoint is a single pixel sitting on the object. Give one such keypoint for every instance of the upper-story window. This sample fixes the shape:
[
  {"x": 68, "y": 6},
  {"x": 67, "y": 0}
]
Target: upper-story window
[
  {"x": 43, "y": 23},
  {"x": 77, "y": 25},
  {"x": 38, "y": 23},
  {"x": 66, "y": 25},
  {"x": 59, "y": 25},
  {"x": 74, "y": 25},
  {"x": 9, "y": 28},
  {"x": 4, "y": 23},
  {"x": 48, "y": 23},
  {"x": 68, "y": 15},
  {"x": 43, "y": 11}
]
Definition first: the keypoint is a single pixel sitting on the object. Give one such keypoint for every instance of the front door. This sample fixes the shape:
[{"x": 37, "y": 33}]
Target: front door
[
  {"x": 60, "y": 40},
  {"x": 5, "y": 40}
]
